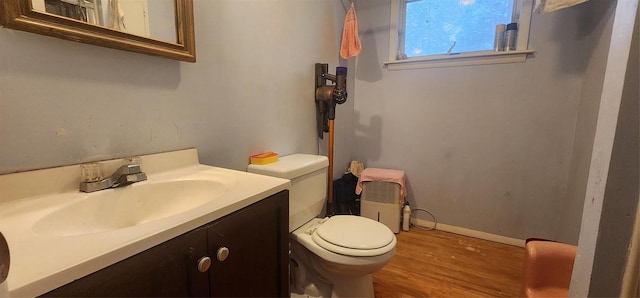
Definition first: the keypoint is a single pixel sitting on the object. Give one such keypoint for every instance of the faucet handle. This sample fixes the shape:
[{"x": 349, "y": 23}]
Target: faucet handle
[{"x": 91, "y": 172}]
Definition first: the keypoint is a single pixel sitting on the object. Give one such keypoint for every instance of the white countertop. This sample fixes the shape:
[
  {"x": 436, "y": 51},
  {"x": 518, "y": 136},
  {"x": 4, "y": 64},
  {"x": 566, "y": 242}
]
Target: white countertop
[{"x": 42, "y": 262}]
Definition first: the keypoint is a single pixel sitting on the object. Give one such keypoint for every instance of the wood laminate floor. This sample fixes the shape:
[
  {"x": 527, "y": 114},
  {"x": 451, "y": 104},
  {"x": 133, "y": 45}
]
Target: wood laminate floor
[{"x": 441, "y": 264}]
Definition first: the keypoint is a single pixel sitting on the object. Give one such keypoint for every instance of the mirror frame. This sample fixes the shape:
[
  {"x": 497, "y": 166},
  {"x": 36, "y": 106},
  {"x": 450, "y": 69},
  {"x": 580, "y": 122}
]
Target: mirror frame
[{"x": 19, "y": 15}]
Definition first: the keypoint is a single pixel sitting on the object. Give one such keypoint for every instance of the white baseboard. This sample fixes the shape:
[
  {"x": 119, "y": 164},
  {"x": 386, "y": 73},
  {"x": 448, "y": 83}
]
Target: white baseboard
[{"x": 468, "y": 232}]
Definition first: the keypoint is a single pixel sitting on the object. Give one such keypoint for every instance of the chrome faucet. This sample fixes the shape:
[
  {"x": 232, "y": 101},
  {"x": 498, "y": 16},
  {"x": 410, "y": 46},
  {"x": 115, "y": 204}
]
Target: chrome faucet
[{"x": 124, "y": 176}]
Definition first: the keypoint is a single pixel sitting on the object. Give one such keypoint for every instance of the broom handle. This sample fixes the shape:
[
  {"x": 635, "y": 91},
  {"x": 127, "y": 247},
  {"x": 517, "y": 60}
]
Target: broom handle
[{"x": 330, "y": 174}]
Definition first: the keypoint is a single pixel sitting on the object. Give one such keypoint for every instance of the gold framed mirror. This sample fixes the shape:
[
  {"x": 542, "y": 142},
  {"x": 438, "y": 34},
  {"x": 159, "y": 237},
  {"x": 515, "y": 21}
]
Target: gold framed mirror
[{"x": 87, "y": 23}]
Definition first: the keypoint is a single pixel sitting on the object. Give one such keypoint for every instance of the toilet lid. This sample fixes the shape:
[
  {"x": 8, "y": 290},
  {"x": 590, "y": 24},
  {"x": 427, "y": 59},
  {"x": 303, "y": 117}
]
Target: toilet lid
[{"x": 354, "y": 235}]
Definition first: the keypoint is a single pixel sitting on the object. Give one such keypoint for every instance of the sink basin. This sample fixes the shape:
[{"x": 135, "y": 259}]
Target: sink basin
[{"x": 129, "y": 206}]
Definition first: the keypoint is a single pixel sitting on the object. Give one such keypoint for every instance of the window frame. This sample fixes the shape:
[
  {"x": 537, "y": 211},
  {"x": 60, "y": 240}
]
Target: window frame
[{"x": 522, "y": 15}]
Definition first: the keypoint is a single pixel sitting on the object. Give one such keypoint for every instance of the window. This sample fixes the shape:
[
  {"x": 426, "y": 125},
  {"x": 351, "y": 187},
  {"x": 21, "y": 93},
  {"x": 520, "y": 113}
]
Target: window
[{"x": 437, "y": 33}]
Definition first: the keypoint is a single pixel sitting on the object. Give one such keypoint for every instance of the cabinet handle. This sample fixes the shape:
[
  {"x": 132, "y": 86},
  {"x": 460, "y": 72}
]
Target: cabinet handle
[
  {"x": 203, "y": 264},
  {"x": 222, "y": 254}
]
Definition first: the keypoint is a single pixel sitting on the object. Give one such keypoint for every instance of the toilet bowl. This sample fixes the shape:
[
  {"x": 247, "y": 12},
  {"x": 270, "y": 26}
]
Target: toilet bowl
[
  {"x": 340, "y": 263},
  {"x": 330, "y": 257}
]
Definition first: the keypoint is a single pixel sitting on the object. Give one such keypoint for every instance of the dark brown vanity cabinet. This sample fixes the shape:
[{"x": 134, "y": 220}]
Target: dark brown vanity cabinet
[{"x": 242, "y": 254}]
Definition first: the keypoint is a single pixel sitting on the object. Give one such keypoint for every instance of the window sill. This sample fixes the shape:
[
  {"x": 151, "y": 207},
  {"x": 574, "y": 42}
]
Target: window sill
[{"x": 461, "y": 59}]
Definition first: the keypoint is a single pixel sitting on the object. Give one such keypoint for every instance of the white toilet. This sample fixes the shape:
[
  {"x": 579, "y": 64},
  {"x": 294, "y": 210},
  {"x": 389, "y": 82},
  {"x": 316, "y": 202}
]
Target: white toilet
[{"x": 330, "y": 257}]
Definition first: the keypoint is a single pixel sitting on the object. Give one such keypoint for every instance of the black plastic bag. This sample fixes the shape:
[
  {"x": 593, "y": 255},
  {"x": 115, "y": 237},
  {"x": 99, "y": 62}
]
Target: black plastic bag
[{"x": 345, "y": 199}]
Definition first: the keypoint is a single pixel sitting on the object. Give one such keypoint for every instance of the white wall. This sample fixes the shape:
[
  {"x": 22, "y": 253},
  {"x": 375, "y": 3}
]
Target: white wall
[
  {"x": 251, "y": 90},
  {"x": 599, "y": 31},
  {"x": 484, "y": 147},
  {"x": 612, "y": 190}
]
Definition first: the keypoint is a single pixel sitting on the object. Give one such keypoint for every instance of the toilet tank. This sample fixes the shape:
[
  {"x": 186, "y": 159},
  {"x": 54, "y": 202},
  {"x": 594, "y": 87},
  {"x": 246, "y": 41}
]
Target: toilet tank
[{"x": 308, "y": 175}]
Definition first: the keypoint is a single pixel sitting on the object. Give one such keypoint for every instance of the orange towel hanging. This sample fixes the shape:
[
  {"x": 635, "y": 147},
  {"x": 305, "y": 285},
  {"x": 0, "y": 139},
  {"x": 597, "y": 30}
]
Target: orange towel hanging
[{"x": 351, "y": 46}]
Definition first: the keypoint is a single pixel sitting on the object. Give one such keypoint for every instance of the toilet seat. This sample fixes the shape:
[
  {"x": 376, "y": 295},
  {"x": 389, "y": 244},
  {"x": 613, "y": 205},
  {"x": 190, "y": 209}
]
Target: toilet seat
[{"x": 354, "y": 236}]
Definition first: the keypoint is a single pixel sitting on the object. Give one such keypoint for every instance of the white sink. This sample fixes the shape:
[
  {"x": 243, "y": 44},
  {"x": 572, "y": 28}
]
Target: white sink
[
  {"x": 133, "y": 205},
  {"x": 57, "y": 234}
]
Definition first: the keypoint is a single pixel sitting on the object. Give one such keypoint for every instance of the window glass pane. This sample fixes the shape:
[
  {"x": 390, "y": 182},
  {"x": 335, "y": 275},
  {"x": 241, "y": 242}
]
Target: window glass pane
[{"x": 433, "y": 25}]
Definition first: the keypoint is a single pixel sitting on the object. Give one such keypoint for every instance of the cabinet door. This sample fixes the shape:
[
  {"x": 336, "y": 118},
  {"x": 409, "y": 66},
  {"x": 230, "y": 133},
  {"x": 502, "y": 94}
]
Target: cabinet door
[
  {"x": 257, "y": 241},
  {"x": 166, "y": 270}
]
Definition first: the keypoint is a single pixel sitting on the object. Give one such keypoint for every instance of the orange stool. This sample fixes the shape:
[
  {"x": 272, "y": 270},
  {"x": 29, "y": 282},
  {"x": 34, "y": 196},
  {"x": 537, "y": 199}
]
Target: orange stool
[{"x": 547, "y": 268}]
